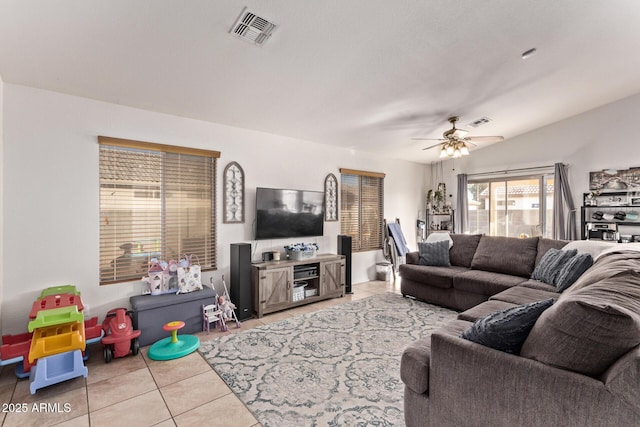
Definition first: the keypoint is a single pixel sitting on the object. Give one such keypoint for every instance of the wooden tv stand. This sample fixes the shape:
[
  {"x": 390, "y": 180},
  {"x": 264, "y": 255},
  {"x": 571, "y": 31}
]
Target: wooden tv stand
[{"x": 274, "y": 282}]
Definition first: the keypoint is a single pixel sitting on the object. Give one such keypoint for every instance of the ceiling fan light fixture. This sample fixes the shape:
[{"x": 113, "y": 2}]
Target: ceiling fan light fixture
[
  {"x": 449, "y": 149},
  {"x": 464, "y": 150},
  {"x": 443, "y": 153}
]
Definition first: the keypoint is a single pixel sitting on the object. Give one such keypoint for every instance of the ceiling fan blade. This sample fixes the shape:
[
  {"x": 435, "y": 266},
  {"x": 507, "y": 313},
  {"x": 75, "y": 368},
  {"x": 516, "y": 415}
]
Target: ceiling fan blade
[
  {"x": 428, "y": 139},
  {"x": 433, "y": 146},
  {"x": 484, "y": 139}
]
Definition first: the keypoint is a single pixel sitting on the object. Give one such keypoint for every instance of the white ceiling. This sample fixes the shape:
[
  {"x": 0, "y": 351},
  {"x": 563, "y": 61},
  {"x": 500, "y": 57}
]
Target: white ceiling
[{"x": 363, "y": 74}]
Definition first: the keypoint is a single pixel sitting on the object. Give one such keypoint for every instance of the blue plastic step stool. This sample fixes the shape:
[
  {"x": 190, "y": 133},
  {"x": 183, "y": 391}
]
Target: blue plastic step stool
[{"x": 56, "y": 368}]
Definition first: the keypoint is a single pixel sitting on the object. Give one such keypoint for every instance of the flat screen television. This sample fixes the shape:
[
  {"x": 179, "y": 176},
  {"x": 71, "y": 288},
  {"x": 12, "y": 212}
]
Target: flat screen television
[{"x": 284, "y": 213}]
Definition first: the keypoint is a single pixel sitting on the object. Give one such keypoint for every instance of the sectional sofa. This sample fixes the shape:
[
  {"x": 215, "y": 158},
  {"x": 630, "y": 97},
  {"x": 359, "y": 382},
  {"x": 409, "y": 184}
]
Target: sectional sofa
[
  {"x": 578, "y": 366},
  {"x": 481, "y": 266}
]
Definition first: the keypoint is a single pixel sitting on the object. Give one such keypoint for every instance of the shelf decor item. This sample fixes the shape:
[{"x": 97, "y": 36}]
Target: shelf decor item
[
  {"x": 331, "y": 198},
  {"x": 436, "y": 200},
  {"x": 233, "y": 193},
  {"x": 301, "y": 251}
]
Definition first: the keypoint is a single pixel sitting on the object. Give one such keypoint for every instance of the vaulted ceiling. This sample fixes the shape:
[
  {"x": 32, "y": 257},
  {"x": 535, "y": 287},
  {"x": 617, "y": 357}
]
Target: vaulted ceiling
[{"x": 364, "y": 74}]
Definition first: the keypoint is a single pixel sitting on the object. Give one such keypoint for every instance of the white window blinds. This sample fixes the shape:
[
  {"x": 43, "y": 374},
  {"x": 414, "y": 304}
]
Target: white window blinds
[{"x": 155, "y": 201}]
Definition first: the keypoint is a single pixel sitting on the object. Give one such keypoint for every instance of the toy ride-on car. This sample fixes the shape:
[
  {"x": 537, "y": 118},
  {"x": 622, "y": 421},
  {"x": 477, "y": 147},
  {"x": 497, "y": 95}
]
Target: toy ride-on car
[{"x": 120, "y": 338}]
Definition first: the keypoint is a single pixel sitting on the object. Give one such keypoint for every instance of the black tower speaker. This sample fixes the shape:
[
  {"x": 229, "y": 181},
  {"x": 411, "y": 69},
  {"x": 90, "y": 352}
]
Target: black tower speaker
[
  {"x": 240, "y": 282},
  {"x": 344, "y": 248}
]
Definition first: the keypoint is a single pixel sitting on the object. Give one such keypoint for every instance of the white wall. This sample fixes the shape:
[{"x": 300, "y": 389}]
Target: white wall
[
  {"x": 1, "y": 199},
  {"x": 51, "y": 206},
  {"x": 603, "y": 138}
]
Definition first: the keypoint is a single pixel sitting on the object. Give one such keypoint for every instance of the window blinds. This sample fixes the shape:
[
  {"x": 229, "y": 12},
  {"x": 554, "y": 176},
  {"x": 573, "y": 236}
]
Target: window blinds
[
  {"x": 362, "y": 208},
  {"x": 155, "y": 201}
]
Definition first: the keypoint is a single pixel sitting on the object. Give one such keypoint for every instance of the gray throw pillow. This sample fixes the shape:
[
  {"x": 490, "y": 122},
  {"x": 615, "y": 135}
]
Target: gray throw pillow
[
  {"x": 506, "y": 330},
  {"x": 434, "y": 254},
  {"x": 572, "y": 270},
  {"x": 550, "y": 264}
]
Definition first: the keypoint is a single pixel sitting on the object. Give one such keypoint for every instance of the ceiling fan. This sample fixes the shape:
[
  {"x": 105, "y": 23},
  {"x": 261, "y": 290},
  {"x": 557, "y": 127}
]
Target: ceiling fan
[{"x": 455, "y": 142}]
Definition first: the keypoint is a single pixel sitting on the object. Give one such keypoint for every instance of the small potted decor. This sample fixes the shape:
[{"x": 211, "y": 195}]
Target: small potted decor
[{"x": 301, "y": 251}]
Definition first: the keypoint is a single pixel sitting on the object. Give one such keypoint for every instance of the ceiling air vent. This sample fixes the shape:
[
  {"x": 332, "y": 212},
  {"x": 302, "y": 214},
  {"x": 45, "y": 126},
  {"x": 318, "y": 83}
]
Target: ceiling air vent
[
  {"x": 481, "y": 121},
  {"x": 252, "y": 28}
]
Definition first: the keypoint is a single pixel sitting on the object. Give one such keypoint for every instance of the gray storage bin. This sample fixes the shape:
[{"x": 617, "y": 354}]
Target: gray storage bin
[{"x": 152, "y": 312}]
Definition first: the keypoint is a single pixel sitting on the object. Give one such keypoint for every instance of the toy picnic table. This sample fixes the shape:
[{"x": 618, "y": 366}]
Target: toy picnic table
[
  {"x": 49, "y": 302},
  {"x": 56, "y": 316},
  {"x": 64, "y": 289}
]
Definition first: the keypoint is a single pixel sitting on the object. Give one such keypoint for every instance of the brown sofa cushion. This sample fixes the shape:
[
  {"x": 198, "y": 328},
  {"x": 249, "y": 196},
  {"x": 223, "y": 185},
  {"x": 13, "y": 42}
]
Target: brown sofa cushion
[
  {"x": 464, "y": 246},
  {"x": 484, "y": 309},
  {"x": 606, "y": 266},
  {"x": 440, "y": 277},
  {"x": 522, "y": 295},
  {"x": 485, "y": 282},
  {"x": 508, "y": 255},
  {"x": 589, "y": 328}
]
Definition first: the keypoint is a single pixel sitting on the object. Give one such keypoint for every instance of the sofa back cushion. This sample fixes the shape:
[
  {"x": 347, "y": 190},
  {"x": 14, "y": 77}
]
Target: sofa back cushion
[
  {"x": 463, "y": 249},
  {"x": 590, "y": 327},
  {"x": 507, "y": 255}
]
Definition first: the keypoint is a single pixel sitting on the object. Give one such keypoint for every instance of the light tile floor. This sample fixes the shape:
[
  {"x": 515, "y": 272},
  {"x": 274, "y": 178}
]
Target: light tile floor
[{"x": 137, "y": 391}]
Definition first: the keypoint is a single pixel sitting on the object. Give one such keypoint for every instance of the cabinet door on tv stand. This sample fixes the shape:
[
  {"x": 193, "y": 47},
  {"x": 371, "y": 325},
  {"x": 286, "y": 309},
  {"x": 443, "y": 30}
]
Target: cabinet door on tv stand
[
  {"x": 332, "y": 278},
  {"x": 275, "y": 289}
]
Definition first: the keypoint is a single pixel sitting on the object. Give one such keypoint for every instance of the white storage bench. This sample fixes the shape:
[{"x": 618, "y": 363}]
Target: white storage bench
[{"x": 152, "y": 312}]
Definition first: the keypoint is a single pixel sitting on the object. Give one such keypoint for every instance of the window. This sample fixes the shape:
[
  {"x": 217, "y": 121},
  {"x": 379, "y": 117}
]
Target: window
[
  {"x": 515, "y": 207},
  {"x": 361, "y": 208},
  {"x": 155, "y": 201}
]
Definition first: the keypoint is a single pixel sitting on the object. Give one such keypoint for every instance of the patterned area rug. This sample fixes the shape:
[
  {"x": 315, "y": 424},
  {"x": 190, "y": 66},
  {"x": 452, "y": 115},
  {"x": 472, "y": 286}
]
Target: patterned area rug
[{"x": 335, "y": 367}]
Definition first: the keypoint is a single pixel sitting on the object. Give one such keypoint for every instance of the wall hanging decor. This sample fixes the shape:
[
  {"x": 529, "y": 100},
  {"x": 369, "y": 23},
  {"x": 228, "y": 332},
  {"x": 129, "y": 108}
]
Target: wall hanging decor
[
  {"x": 233, "y": 193},
  {"x": 330, "y": 198},
  {"x": 615, "y": 179}
]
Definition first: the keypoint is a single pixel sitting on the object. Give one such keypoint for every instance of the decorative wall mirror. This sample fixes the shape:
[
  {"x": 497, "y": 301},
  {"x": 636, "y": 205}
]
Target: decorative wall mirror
[
  {"x": 233, "y": 194},
  {"x": 330, "y": 198}
]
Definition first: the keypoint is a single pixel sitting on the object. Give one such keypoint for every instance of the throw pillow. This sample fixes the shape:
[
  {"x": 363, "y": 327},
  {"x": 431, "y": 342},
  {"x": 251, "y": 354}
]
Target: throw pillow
[
  {"x": 435, "y": 254},
  {"x": 572, "y": 270},
  {"x": 550, "y": 264},
  {"x": 506, "y": 330},
  {"x": 436, "y": 237}
]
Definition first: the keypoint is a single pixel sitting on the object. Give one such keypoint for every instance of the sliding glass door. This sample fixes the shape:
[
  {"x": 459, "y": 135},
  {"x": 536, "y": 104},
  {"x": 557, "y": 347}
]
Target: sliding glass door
[{"x": 514, "y": 207}]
